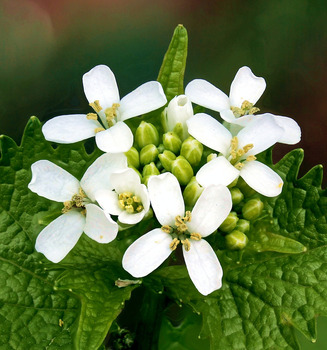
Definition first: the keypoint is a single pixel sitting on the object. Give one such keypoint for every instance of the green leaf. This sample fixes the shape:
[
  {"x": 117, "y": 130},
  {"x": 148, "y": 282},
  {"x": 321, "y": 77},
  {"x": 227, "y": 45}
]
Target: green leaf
[
  {"x": 267, "y": 295},
  {"x": 37, "y": 311},
  {"x": 171, "y": 74}
]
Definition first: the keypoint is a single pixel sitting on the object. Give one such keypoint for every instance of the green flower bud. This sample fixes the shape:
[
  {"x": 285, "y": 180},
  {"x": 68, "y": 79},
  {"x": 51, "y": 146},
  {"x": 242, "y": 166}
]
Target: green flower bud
[
  {"x": 150, "y": 169},
  {"x": 236, "y": 240},
  {"x": 182, "y": 169},
  {"x": 229, "y": 223},
  {"x": 243, "y": 225},
  {"x": 148, "y": 154},
  {"x": 252, "y": 209},
  {"x": 146, "y": 134},
  {"x": 192, "y": 192},
  {"x": 192, "y": 150},
  {"x": 161, "y": 148},
  {"x": 133, "y": 157},
  {"x": 211, "y": 156},
  {"x": 237, "y": 195},
  {"x": 166, "y": 159},
  {"x": 171, "y": 142},
  {"x": 245, "y": 188},
  {"x": 179, "y": 130}
]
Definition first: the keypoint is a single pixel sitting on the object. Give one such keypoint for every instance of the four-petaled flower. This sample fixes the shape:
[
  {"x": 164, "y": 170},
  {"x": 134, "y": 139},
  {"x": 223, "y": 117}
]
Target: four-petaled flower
[
  {"x": 129, "y": 200},
  {"x": 238, "y": 153},
  {"x": 112, "y": 135},
  {"x": 238, "y": 109},
  {"x": 80, "y": 214},
  {"x": 149, "y": 251}
]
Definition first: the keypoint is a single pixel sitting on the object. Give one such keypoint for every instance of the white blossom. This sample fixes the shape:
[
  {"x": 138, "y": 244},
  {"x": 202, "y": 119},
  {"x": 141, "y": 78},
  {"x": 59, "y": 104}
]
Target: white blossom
[
  {"x": 80, "y": 213},
  {"x": 188, "y": 228},
  {"x": 111, "y": 132}
]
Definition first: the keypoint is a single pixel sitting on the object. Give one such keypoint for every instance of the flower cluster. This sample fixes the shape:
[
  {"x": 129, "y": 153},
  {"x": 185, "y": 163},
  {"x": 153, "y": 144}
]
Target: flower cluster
[{"x": 198, "y": 176}]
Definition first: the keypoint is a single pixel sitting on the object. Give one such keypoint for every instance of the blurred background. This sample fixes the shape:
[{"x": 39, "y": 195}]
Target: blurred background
[{"x": 46, "y": 46}]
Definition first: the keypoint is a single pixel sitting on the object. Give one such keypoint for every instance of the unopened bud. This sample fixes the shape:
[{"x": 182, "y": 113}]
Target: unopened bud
[
  {"x": 211, "y": 156},
  {"x": 252, "y": 209},
  {"x": 245, "y": 188},
  {"x": 236, "y": 240},
  {"x": 237, "y": 195},
  {"x": 146, "y": 134},
  {"x": 229, "y": 223},
  {"x": 192, "y": 150},
  {"x": 182, "y": 169},
  {"x": 133, "y": 157},
  {"x": 150, "y": 169},
  {"x": 148, "y": 154},
  {"x": 192, "y": 192},
  {"x": 166, "y": 159},
  {"x": 171, "y": 142},
  {"x": 243, "y": 225}
]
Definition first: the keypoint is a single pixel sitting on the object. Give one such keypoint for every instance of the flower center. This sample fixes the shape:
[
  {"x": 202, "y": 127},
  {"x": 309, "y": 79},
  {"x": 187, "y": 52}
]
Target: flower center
[
  {"x": 129, "y": 202},
  {"x": 180, "y": 232},
  {"x": 110, "y": 114},
  {"x": 77, "y": 201},
  {"x": 236, "y": 154},
  {"x": 246, "y": 108}
]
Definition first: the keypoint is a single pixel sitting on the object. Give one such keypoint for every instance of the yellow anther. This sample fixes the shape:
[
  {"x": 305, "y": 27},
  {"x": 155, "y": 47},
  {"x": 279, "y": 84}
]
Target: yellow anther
[
  {"x": 233, "y": 154},
  {"x": 129, "y": 201},
  {"x": 187, "y": 217},
  {"x": 166, "y": 228},
  {"x": 121, "y": 203},
  {"x": 238, "y": 112},
  {"x": 129, "y": 209},
  {"x": 239, "y": 166},
  {"x": 96, "y": 106},
  {"x": 182, "y": 227},
  {"x": 92, "y": 116},
  {"x": 139, "y": 208},
  {"x": 96, "y": 130},
  {"x": 186, "y": 244},
  {"x": 61, "y": 322},
  {"x": 254, "y": 110},
  {"x": 247, "y": 148},
  {"x": 195, "y": 236},
  {"x": 173, "y": 245},
  {"x": 240, "y": 152},
  {"x": 251, "y": 158},
  {"x": 246, "y": 105},
  {"x": 136, "y": 199},
  {"x": 178, "y": 220},
  {"x": 234, "y": 143},
  {"x": 67, "y": 207},
  {"x": 111, "y": 113}
]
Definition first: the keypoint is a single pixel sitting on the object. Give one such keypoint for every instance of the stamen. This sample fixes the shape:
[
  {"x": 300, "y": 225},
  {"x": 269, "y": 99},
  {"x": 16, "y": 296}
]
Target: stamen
[
  {"x": 129, "y": 202},
  {"x": 178, "y": 220},
  {"x": 96, "y": 130},
  {"x": 67, "y": 207},
  {"x": 254, "y": 110},
  {"x": 187, "y": 217},
  {"x": 251, "y": 158},
  {"x": 196, "y": 236},
  {"x": 239, "y": 166},
  {"x": 167, "y": 229},
  {"x": 234, "y": 143},
  {"x": 186, "y": 244},
  {"x": 92, "y": 116},
  {"x": 247, "y": 148},
  {"x": 111, "y": 113},
  {"x": 173, "y": 245},
  {"x": 96, "y": 106},
  {"x": 240, "y": 152}
]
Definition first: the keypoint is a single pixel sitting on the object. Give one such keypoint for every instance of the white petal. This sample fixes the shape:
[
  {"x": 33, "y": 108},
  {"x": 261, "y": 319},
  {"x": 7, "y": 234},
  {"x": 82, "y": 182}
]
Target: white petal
[
  {"x": 108, "y": 200},
  {"x": 203, "y": 267},
  {"x": 219, "y": 171},
  {"x": 262, "y": 179},
  {"x": 261, "y": 132},
  {"x": 147, "y": 253},
  {"x": 210, "y": 132},
  {"x": 117, "y": 139},
  {"x": 60, "y": 236},
  {"x": 228, "y": 116},
  {"x": 144, "y": 99},
  {"x": 246, "y": 87},
  {"x": 100, "y": 84},
  {"x": 292, "y": 131},
  {"x": 97, "y": 176},
  {"x": 125, "y": 181},
  {"x": 166, "y": 198},
  {"x": 131, "y": 219},
  {"x": 69, "y": 128},
  {"x": 210, "y": 210},
  {"x": 99, "y": 225},
  {"x": 52, "y": 182},
  {"x": 178, "y": 111},
  {"x": 207, "y": 95}
]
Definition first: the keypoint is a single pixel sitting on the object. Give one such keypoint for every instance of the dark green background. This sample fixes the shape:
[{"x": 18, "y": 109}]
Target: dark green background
[{"x": 46, "y": 46}]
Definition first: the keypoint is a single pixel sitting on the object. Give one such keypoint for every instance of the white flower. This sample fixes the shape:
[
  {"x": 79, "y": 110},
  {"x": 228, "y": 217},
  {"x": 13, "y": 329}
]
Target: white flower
[
  {"x": 238, "y": 108},
  {"x": 101, "y": 90},
  {"x": 79, "y": 214},
  {"x": 129, "y": 200},
  {"x": 149, "y": 251},
  {"x": 179, "y": 110},
  {"x": 238, "y": 153}
]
